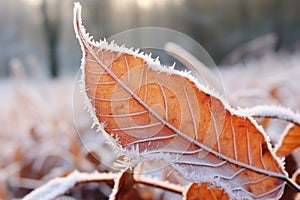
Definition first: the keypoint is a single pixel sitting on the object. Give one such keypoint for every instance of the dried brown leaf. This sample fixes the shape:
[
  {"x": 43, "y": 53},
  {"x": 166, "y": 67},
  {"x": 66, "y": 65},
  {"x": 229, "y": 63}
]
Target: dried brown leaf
[
  {"x": 290, "y": 139},
  {"x": 124, "y": 187},
  {"x": 296, "y": 177},
  {"x": 289, "y": 142},
  {"x": 151, "y": 111},
  {"x": 204, "y": 191}
]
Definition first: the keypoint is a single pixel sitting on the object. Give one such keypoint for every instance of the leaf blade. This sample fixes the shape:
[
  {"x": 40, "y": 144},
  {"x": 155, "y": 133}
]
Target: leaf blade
[
  {"x": 197, "y": 191},
  {"x": 153, "y": 96},
  {"x": 289, "y": 142}
]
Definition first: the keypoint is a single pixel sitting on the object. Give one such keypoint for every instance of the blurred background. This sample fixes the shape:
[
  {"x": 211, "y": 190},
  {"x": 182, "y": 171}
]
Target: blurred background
[
  {"x": 41, "y": 31},
  {"x": 256, "y": 44}
]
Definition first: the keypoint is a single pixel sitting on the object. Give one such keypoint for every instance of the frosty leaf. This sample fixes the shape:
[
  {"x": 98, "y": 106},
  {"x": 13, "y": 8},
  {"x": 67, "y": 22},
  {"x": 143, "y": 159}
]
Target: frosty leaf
[
  {"x": 150, "y": 111},
  {"x": 123, "y": 188},
  {"x": 289, "y": 142},
  {"x": 123, "y": 185},
  {"x": 296, "y": 176},
  {"x": 275, "y": 112},
  {"x": 197, "y": 191},
  {"x": 291, "y": 137}
]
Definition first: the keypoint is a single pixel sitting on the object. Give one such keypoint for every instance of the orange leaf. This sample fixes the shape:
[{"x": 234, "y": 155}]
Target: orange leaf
[
  {"x": 296, "y": 176},
  {"x": 196, "y": 191},
  {"x": 154, "y": 112},
  {"x": 291, "y": 137},
  {"x": 123, "y": 188},
  {"x": 289, "y": 142}
]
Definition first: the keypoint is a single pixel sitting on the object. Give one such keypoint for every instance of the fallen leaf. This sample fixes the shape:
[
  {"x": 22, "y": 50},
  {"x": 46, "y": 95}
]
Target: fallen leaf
[
  {"x": 150, "y": 111},
  {"x": 124, "y": 187},
  {"x": 296, "y": 176},
  {"x": 289, "y": 142},
  {"x": 290, "y": 139},
  {"x": 204, "y": 191}
]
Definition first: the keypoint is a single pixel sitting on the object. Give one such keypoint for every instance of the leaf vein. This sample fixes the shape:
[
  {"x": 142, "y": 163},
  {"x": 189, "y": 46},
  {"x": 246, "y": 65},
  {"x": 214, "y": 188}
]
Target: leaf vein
[{"x": 137, "y": 127}]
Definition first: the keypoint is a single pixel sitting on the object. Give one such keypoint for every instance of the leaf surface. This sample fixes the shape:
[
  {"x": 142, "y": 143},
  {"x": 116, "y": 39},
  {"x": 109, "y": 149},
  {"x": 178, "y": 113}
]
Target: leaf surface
[
  {"x": 290, "y": 139},
  {"x": 289, "y": 142},
  {"x": 204, "y": 191},
  {"x": 124, "y": 187},
  {"x": 296, "y": 176},
  {"x": 152, "y": 111}
]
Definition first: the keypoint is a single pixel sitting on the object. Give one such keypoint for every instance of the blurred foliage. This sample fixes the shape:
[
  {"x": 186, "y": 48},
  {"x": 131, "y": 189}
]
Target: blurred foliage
[{"x": 39, "y": 140}]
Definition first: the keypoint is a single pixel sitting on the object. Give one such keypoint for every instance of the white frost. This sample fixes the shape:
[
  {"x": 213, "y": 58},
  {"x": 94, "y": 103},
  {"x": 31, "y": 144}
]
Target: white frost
[
  {"x": 275, "y": 112},
  {"x": 59, "y": 186}
]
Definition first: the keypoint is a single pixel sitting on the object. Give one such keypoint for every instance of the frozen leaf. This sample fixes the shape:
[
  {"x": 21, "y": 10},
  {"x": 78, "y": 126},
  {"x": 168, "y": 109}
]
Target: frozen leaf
[
  {"x": 296, "y": 176},
  {"x": 291, "y": 137},
  {"x": 123, "y": 188},
  {"x": 150, "y": 111},
  {"x": 196, "y": 191},
  {"x": 289, "y": 142},
  {"x": 275, "y": 112},
  {"x": 123, "y": 185},
  {"x": 127, "y": 186}
]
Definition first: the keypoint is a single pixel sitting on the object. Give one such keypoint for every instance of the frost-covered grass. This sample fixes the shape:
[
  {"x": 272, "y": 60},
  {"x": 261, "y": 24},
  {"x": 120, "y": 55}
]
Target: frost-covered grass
[{"x": 38, "y": 140}]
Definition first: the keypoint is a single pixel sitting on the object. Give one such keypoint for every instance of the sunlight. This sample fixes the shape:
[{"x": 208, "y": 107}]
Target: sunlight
[
  {"x": 33, "y": 2},
  {"x": 144, "y": 4},
  {"x": 148, "y": 4}
]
